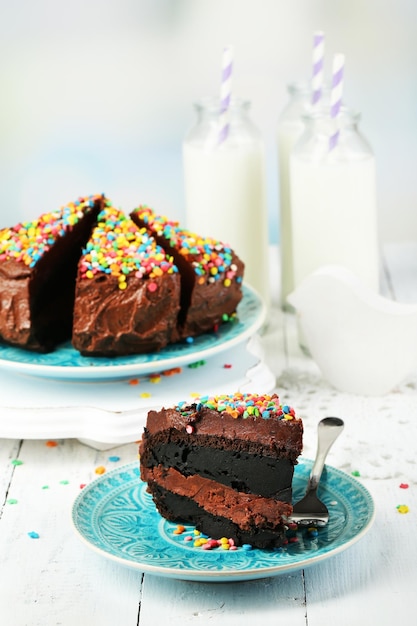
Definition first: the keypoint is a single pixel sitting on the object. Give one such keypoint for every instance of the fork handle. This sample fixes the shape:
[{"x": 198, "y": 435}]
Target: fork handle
[{"x": 328, "y": 431}]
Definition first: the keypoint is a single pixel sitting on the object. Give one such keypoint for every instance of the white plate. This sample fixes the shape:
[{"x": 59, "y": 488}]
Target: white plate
[
  {"x": 104, "y": 414},
  {"x": 67, "y": 363},
  {"x": 116, "y": 517}
]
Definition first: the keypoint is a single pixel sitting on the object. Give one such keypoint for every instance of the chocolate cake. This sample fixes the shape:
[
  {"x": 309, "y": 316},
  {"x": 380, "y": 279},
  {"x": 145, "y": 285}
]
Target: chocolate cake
[
  {"x": 224, "y": 464},
  {"x": 211, "y": 273},
  {"x": 38, "y": 266},
  {"x": 127, "y": 292}
]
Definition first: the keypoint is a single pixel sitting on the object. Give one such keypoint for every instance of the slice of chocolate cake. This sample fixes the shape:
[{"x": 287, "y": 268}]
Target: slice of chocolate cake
[
  {"x": 211, "y": 273},
  {"x": 127, "y": 293},
  {"x": 224, "y": 464},
  {"x": 38, "y": 267}
]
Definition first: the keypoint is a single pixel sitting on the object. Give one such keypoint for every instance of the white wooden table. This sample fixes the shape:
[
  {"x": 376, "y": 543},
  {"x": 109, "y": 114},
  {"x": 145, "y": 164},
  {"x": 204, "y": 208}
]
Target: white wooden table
[{"x": 55, "y": 579}]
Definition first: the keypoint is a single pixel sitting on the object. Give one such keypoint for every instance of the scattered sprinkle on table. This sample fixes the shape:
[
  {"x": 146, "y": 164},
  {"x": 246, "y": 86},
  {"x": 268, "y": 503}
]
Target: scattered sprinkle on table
[
  {"x": 64, "y": 482},
  {"x": 227, "y": 366},
  {"x": 100, "y": 469},
  {"x": 82, "y": 485},
  {"x": 404, "y": 486},
  {"x": 134, "y": 381},
  {"x": 155, "y": 378},
  {"x": 114, "y": 459},
  {"x": 17, "y": 462},
  {"x": 45, "y": 486},
  {"x": 51, "y": 444},
  {"x": 402, "y": 508},
  {"x": 11, "y": 501},
  {"x": 145, "y": 394},
  {"x": 33, "y": 535},
  {"x": 356, "y": 473}
]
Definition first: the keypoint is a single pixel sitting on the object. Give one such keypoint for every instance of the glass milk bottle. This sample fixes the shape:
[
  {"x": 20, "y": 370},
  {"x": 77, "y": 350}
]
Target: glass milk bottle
[
  {"x": 333, "y": 198},
  {"x": 290, "y": 127},
  {"x": 225, "y": 186}
]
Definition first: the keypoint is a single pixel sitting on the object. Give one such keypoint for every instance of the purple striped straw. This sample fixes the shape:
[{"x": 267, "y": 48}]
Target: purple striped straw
[
  {"x": 225, "y": 93},
  {"x": 318, "y": 63},
  {"x": 336, "y": 94}
]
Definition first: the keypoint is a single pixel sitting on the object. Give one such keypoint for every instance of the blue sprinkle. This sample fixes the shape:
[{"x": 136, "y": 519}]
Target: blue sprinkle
[
  {"x": 114, "y": 459},
  {"x": 189, "y": 340},
  {"x": 286, "y": 408},
  {"x": 266, "y": 415},
  {"x": 246, "y": 547},
  {"x": 33, "y": 535}
]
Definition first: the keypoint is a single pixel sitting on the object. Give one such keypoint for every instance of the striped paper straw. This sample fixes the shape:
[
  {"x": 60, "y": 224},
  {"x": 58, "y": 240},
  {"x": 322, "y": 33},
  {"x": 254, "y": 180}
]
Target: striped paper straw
[
  {"x": 225, "y": 93},
  {"x": 336, "y": 94},
  {"x": 318, "y": 63}
]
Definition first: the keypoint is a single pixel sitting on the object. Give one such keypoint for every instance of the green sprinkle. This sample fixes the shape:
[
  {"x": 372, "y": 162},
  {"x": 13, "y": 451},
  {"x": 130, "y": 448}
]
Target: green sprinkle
[
  {"x": 17, "y": 462},
  {"x": 64, "y": 482},
  {"x": 11, "y": 501},
  {"x": 356, "y": 473}
]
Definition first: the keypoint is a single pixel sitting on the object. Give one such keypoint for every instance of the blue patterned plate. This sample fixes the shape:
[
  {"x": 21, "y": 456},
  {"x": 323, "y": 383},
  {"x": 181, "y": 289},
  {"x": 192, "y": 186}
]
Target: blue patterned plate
[
  {"x": 67, "y": 363},
  {"x": 116, "y": 517}
]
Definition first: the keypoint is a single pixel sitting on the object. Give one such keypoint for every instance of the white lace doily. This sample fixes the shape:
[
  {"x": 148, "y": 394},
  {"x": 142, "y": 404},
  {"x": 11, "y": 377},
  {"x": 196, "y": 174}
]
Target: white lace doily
[{"x": 380, "y": 435}]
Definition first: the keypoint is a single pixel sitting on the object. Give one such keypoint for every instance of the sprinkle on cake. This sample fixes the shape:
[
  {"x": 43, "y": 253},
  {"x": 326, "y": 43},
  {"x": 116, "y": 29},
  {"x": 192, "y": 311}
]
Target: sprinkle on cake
[
  {"x": 244, "y": 405},
  {"x": 118, "y": 247},
  {"x": 211, "y": 259},
  {"x": 27, "y": 242}
]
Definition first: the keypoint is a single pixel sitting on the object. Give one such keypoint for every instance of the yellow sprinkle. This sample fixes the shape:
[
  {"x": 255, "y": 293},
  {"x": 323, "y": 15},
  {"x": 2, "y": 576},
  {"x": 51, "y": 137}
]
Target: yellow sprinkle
[
  {"x": 402, "y": 508},
  {"x": 194, "y": 394},
  {"x": 145, "y": 394},
  {"x": 100, "y": 469},
  {"x": 89, "y": 274},
  {"x": 227, "y": 282},
  {"x": 122, "y": 285},
  {"x": 197, "y": 533},
  {"x": 225, "y": 546}
]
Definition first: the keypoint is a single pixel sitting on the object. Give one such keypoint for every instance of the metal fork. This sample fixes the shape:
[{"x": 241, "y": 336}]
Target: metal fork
[{"x": 310, "y": 510}]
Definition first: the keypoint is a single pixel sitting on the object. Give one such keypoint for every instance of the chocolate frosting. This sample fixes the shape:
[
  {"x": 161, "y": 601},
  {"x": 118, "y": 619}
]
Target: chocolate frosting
[
  {"x": 109, "y": 321},
  {"x": 275, "y": 435},
  {"x": 244, "y": 509}
]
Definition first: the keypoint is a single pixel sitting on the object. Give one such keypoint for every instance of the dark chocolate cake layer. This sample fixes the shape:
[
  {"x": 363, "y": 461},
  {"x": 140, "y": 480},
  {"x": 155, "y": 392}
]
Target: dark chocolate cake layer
[
  {"x": 37, "y": 275},
  {"x": 127, "y": 293},
  {"x": 211, "y": 273},
  {"x": 232, "y": 457},
  {"x": 249, "y": 472}
]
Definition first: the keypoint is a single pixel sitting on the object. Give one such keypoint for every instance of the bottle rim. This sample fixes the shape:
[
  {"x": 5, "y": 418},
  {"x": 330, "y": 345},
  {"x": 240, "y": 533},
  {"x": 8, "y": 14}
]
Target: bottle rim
[
  {"x": 211, "y": 104},
  {"x": 346, "y": 114}
]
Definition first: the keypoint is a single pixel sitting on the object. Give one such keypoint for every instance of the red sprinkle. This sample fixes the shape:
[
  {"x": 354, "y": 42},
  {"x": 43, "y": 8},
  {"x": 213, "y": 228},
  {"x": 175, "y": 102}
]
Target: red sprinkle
[
  {"x": 404, "y": 486},
  {"x": 152, "y": 287},
  {"x": 227, "y": 366},
  {"x": 51, "y": 444}
]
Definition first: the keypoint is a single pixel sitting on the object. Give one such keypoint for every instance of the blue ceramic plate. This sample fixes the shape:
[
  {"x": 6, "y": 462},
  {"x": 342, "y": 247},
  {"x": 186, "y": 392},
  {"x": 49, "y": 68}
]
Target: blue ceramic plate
[
  {"x": 116, "y": 517},
  {"x": 67, "y": 363}
]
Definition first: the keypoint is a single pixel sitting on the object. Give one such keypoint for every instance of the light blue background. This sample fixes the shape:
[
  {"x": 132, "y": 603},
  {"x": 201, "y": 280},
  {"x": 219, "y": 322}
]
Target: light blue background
[{"x": 96, "y": 95}]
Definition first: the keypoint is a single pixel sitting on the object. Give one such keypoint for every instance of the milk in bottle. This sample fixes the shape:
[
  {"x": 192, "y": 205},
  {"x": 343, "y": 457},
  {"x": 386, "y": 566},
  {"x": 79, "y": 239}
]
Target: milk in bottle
[
  {"x": 333, "y": 196},
  {"x": 225, "y": 187}
]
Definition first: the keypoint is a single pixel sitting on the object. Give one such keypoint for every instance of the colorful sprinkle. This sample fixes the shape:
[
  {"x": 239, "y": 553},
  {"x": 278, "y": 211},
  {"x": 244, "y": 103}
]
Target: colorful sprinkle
[
  {"x": 145, "y": 394},
  {"x": 134, "y": 381},
  {"x": 100, "y": 469},
  {"x": 33, "y": 535},
  {"x": 356, "y": 473},
  {"x": 402, "y": 508},
  {"x": 11, "y": 501},
  {"x": 119, "y": 248},
  {"x": 64, "y": 482},
  {"x": 51, "y": 444},
  {"x": 212, "y": 260},
  {"x": 243, "y": 405},
  {"x": 17, "y": 462},
  {"x": 227, "y": 366},
  {"x": 27, "y": 242},
  {"x": 114, "y": 459},
  {"x": 404, "y": 486}
]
